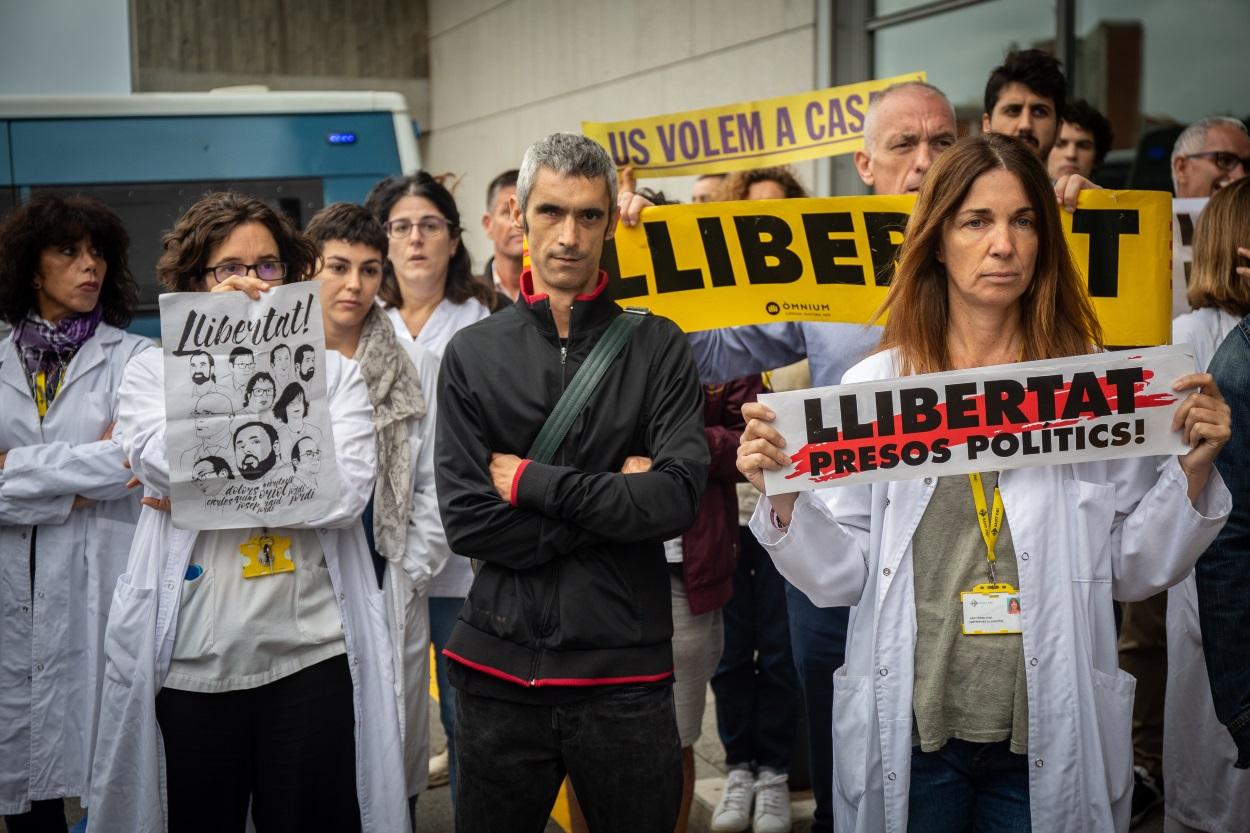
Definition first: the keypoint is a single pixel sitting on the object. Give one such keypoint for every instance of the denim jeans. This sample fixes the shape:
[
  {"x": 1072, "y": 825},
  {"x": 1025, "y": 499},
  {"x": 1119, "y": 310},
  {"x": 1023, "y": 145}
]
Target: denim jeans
[
  {"x": 756, "y": 689},
  {"x": 818, "y": 635},
  {"x": 620, "y": 749},
  {"x": 969, "y": 788},
  {"x": 1223, "y": 571},
  {"x": 444, "y": 611}
]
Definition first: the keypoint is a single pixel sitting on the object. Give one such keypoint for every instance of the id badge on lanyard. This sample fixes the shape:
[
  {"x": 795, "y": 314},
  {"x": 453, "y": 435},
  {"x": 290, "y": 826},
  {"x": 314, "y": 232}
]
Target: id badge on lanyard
[
  {"x": 266, "y": 555},
  {"x": 994, "y": 607}
]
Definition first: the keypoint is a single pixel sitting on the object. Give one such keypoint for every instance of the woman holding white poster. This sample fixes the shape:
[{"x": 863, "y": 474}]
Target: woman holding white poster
[
  {"x": 66, "y": 515},
  {"x": 1027, "y": 727},
  {"x": 1204, "y": 792},
  {"x": 247, "y": 670}
]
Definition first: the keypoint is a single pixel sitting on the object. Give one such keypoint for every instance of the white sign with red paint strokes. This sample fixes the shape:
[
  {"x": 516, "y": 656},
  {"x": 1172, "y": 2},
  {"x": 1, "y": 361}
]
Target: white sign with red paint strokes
[{"x": 1071, "y": 410}]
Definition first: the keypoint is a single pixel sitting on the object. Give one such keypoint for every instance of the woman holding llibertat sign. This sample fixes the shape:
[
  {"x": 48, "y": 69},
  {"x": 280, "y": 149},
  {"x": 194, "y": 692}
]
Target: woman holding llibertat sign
[
  {"x": 247, "y": 671},
  {"x": 1027, "y": 729}
]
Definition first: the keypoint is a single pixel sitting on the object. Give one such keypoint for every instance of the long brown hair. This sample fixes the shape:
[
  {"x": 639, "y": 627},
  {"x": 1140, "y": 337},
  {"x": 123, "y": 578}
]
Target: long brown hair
[
  {"x": 1221, "y": 228},
  {"x": 1056, "y": 316}
]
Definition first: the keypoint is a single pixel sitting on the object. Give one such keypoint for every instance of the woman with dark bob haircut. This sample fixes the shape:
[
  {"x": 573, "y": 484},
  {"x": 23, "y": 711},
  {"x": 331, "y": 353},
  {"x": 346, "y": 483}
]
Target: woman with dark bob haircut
[
  {"x": 430, "y": 294},
  {"x": 225, "y": 684},
  {"x": 935, "y": 729},
  {"x": 66, "y": 516}
]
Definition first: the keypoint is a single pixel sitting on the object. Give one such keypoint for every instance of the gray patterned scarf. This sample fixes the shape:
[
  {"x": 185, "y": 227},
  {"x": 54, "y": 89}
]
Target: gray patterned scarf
[{"x": 395, "y": 392}]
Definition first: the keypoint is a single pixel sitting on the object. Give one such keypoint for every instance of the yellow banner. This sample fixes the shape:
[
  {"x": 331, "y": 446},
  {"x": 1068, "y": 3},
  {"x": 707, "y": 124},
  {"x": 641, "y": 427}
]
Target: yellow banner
[
  {"x": 751, "y": 134},
  {"x": 726, "y": 264}
]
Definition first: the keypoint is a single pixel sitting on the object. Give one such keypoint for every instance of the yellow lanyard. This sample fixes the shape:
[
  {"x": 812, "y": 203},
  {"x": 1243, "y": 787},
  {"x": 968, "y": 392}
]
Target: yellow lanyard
[{"x": 990, "y": 520}]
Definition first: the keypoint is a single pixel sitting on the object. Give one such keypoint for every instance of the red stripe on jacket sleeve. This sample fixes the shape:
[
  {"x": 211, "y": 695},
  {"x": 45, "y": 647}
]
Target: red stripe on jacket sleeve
[{"x": 516, "y": 482}]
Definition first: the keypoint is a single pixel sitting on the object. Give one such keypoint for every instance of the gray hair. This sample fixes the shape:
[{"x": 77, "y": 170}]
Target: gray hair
[
  {"x": 1193, "y": 138},
  {"x": 568, "y": 154},
  {"x": 874, "y": 107}
]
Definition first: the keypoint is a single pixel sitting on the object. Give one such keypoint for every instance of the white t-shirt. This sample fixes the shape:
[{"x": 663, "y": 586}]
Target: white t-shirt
[{"x": 237, "y": 633}]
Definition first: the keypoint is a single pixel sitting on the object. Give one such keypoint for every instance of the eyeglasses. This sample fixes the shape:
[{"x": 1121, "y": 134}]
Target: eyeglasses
[
  {"x": 1224, "y": 160},
  {"x": 428, "y": 226},
  {"x": 269, "y": 270}
]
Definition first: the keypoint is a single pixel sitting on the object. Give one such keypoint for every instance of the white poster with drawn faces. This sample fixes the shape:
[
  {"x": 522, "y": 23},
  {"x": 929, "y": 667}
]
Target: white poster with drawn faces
[{"x": 247, "y": 427}]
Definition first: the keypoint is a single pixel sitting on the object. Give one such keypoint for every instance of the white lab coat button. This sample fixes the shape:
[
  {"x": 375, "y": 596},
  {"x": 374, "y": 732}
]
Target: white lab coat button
[
  {"x": 886, "y": 571},
  {"x": 1024, "y": 556},
  {"x": 884, "y": 671},
  {"x": 892, "y": 776},
  {"x": 1033, "y": 662},
  {"x": 1038, "y": 763}
]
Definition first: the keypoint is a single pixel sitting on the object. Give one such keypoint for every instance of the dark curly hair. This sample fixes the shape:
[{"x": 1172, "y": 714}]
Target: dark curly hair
[
  {"x": 49, "y": 220},
  {"x": 1085, "y": 116},
  {"x": 208, "y": 223},
  {"x": 461, "y": 284},
  {"x": 1035, "y": 69}
]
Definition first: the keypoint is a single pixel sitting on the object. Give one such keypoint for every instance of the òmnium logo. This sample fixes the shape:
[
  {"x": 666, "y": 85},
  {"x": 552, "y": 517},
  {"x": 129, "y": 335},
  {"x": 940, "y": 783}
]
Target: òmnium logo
[{"x": 772, "y": 308}]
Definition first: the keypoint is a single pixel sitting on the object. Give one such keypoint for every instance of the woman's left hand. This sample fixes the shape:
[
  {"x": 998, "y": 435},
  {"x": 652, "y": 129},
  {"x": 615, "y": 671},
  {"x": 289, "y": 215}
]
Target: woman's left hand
[{"x": 1205, "y": 422}]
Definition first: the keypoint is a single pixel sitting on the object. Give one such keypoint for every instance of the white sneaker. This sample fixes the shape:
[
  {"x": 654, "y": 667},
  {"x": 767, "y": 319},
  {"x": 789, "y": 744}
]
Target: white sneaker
[
  {"x": 772, "y": 803},
  {"x": 733, "y": 811},
  {"x": 439, "y": 775}
]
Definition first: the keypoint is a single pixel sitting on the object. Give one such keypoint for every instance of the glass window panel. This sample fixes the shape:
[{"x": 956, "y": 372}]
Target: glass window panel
[
  {"x": 958, "y": 49},
  {"x": 1147, "y": 63}
]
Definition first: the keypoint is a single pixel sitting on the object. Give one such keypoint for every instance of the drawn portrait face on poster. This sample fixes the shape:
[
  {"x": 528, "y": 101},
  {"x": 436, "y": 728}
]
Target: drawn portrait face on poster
[
  {"x": 306, "y": 457},
  {"x": 211, "y": 475},
  {"x": 202, "y": 369},
  {"x": 242, "y": 365},
  {"x": 292, "y": 407},
  {"x": 255, "y": 450},
  {"x": 258, "y": 397},
  {"x": 280, "y": 363},
  {"x": 305, "y": 362},
  {"x": 212, "y": 414}
]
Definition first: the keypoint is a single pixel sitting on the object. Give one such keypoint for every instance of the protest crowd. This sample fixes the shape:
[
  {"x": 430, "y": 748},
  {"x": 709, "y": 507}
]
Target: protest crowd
[{"x": 574, "y": 503}]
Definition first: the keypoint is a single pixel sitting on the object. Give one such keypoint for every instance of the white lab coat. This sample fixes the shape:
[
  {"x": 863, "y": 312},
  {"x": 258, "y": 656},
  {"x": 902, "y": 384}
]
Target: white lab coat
[
  {"x": 50, "y": 658},
  {"x": 128, "y": 779},
  {"x": 455, "y": 577},
  {"x": 408, "y": 581},
  {"x": 1202, "y": 789},
  {"x": 1083, "y": 534}
]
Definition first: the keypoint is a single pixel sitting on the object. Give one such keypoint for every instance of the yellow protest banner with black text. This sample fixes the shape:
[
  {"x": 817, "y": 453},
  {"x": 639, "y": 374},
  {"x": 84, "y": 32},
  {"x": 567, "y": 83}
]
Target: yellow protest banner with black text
[
  {"x": 831, "y": 259},
  {"x": 750, "y": 134}
]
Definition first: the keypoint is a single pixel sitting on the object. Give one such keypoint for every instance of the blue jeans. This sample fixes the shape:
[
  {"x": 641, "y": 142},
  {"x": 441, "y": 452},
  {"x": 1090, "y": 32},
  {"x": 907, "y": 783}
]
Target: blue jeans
[
  {"x": 756, "y": 689},
  {"x": 444, "y": 611},
  {"x": 972, "y": 787},
  {"x": 818, "y": 635},
  {"x": 619, "y": 748}
]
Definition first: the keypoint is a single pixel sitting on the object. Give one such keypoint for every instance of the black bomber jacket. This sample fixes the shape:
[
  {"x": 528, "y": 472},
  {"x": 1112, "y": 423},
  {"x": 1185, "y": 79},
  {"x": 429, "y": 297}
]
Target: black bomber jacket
[{"x": 572, "y": 588}]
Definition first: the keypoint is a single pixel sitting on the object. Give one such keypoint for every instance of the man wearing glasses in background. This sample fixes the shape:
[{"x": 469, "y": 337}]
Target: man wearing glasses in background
[{"x": 1209, "y": 154}]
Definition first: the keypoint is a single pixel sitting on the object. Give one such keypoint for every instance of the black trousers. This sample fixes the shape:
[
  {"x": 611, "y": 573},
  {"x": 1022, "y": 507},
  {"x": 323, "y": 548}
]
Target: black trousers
[
  {"x": 620, "y": 749},
  {"x": 287, "y": 749},
  {"x": 44, "y": 817}
]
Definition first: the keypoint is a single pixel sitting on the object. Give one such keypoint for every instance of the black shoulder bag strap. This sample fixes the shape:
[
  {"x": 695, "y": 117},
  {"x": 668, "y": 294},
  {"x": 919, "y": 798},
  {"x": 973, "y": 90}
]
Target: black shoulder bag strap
[{"x": 584, "y": 383}]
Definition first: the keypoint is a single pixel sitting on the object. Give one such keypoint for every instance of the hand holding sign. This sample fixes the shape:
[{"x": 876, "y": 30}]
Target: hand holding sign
[
  {"x": 763, "y": 448},
  {"x": 1206, "y": 422},
  {"x": 242, "y": 283}
]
